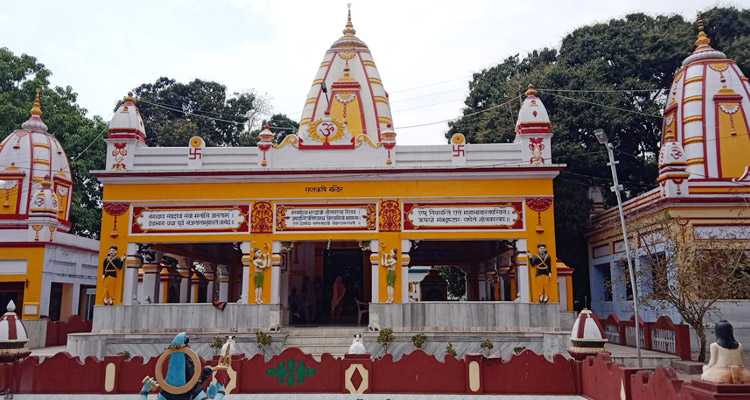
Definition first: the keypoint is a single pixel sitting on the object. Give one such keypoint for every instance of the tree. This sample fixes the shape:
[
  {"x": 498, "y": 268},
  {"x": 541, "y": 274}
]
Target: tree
[
  {"x": 81, "y": 137},
  {"x": 173, "y": 112},
  {"x": 279, "y": 124},
  {"x": 456, "y": 279},
  {"x": 625, "y": 67},
  {"x": 690, "y": 274}
]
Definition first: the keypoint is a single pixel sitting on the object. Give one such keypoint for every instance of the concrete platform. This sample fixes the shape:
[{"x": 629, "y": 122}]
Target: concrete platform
[
  {"x": 628, "y": 357},
  {"x": 319, "y": 340}
]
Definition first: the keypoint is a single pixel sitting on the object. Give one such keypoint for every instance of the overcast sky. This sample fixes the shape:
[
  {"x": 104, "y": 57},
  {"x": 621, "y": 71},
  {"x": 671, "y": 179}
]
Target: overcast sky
[{"x": 426, "y": 51}]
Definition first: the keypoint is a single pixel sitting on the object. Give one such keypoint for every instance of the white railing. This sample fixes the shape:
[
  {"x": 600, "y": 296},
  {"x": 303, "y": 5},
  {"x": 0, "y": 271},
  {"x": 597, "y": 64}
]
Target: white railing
[{"x": 664, "y": 340}]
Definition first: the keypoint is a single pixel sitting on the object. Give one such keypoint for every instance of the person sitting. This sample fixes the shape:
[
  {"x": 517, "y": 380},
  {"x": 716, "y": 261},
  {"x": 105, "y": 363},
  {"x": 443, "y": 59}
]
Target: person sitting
[
  {"x": 337, "y": 299},
  {"x": 725, "y": 364}
]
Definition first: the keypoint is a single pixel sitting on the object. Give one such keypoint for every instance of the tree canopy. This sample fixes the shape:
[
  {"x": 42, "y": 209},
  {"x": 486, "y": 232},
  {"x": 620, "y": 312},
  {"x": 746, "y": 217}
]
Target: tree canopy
[
  {"x": 80, "y": 136},
  {"x": 613, "y": 76}
]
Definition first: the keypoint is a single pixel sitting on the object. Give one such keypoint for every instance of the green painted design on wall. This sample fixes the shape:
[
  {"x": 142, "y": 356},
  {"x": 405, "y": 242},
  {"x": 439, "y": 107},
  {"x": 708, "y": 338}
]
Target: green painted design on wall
[{"x": 291, "y": 372}]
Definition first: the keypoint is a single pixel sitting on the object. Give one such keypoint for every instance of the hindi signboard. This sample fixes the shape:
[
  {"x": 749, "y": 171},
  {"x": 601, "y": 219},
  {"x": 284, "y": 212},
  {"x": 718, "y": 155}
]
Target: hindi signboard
[
  {"x": 464, "y": 216},
  {"x": 325, "y": 217},
  {"x": 216, "y": 219}
]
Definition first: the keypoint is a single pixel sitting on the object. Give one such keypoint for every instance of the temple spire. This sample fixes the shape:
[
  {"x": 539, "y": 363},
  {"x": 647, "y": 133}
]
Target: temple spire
[
  {"x": 36, "y": 109},
  {"x": 703, "y": 40},
  {"x": 349, "y": 29}
]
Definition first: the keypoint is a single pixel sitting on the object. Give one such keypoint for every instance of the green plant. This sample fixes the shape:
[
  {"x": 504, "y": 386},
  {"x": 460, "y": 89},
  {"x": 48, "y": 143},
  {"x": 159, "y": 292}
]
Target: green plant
[
  {"x": 487, "y": 346},
  {"x": 418, "y": 340},
  {"x": 450, "y": 350},
  {"x": 216, "y": 343},
  {"x": 385, "y": 338},
  {"x": 518, "y": 350},
  {"x": 263, "y": 339},
  {"x": 125, "y": 354}
]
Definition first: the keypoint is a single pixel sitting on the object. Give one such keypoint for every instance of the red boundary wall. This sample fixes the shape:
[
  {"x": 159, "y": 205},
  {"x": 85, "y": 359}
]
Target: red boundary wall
[
  {"x": 57, "y": 331},
  {"x": 293, "y": 371}
]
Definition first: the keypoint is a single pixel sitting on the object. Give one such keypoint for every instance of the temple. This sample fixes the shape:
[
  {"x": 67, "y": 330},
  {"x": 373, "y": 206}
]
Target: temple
[
  {"x": 46, "y": 271},
  {"x": 703, "y": 184},
  {"x": 323, "y": 227}
]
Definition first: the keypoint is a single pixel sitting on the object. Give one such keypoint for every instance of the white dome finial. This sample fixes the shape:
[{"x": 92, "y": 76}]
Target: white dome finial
[{"x": 11, "y": 307}]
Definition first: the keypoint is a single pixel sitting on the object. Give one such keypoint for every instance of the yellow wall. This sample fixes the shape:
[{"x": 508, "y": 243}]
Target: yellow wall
[
  {"x": 734, "y": 140},
  {"x": 34, "y": 257},
  {"x": 353, "y": 191}
]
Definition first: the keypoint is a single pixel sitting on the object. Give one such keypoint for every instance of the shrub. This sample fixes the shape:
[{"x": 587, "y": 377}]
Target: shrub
[
  {"x": 216, "y": 343},
  {"x": 487, "y": 346},
  {"x": 418, "y": 340},
  {"x": 385, "y": 338},
  {"x": 450, "y": 350},
  {"x": 263, "y": 339}
]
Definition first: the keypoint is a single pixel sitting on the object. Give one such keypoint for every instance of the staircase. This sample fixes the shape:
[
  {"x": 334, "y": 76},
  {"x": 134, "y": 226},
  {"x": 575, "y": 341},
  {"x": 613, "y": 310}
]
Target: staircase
[{"x": 318, "y": 340}]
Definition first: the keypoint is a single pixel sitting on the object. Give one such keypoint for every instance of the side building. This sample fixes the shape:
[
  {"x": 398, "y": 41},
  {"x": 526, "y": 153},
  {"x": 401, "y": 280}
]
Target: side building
[
  {"x": 48, "y": 272},
  {"x": 703, "y": 184}
]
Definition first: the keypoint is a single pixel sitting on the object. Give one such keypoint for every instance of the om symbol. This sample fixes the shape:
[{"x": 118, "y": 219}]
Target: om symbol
[{"x": 326, "y": 128}]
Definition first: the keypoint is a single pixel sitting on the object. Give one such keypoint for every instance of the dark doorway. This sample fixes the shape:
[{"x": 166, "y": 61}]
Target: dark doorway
[
  {"x": 348, "y": 265},
  {"x": 11, "y": 291},
  {"x": 55, "y": 301}
]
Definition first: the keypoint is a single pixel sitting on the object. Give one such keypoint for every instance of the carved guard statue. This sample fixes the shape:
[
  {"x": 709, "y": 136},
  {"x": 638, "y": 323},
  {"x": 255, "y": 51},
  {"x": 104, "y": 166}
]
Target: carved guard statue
[
  {"x": 112, "y": 264},
  {"x": 542, "y": 263}
]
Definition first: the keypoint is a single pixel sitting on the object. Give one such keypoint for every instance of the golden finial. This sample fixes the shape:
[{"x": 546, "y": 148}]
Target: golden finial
[
  {"x": 530, "y": 90},
  {"x": 703, "y": 39},
  {"x": 349, "y": 29},
  {"x": 36, "y": 109},
  {"x": 129, "y": 98}
]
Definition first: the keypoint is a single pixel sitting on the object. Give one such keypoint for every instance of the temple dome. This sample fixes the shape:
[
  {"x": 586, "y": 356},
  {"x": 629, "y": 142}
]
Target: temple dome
[
  {"x": 706, "y": 113},
  {"x": 32, "y": 161},
  {"x": 127, "y": 123},
  {"x": 347, "y": 98},
  {"x": 532, "y": 117}
]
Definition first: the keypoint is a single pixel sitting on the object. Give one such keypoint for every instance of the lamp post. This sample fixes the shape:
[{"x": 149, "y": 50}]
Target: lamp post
[{"x": 616, "y": 188}]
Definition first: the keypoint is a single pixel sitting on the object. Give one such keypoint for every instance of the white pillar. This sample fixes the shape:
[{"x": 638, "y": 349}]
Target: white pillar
[
  {"x": 405, "y": 260},
  {"x": 223, "y": 273},
  {"x": 522, "y": 272},
  {"x": 245, "y": 247},
  {"x": 150, "y": 272},
  {"x": 183, "y": 268},
  {"x": 276, "y": 272},
  {"x": 375, "y": 261},
  {"x": 210, "y": 268},
  {"x": 130, "y": 286},
  {"x": 195, "y": 285}
]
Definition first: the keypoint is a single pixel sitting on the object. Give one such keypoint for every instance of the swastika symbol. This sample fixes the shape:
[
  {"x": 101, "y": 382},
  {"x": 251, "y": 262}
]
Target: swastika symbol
[{"x": 458, "y": 150}]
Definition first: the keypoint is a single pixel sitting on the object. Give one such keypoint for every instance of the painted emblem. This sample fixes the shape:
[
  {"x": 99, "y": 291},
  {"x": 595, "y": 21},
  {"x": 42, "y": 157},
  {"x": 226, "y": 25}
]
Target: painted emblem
[
  {"x": 291, "y": 372},
  {"x": 326, "y": 130}
]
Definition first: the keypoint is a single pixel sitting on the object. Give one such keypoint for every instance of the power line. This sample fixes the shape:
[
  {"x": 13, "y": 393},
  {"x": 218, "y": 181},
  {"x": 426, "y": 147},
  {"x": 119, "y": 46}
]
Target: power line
[{"x": 606, "y": 106}]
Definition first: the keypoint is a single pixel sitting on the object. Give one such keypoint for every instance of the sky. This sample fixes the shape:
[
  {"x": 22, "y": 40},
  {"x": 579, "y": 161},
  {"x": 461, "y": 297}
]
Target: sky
[{"x": 426, "y": 51}]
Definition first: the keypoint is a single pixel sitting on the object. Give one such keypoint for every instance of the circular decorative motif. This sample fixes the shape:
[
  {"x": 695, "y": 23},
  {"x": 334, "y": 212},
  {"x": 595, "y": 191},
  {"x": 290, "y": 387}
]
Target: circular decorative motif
[
  {"x": 159, "y": 373},
  {"x": 458, "y": 138},
  {"x": 326, "y": 130},
  {"x": 676, "y": 153},
  {"x": 196, "y": 142}
]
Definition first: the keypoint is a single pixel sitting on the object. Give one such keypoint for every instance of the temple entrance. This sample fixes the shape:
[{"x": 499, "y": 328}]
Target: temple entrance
[
  {"x": 457, "y": 270},
  {"x": 327, "y": 284}
]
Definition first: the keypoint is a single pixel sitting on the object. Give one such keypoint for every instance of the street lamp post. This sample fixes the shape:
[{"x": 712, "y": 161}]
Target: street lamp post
[{"x": 616, "y": 188}]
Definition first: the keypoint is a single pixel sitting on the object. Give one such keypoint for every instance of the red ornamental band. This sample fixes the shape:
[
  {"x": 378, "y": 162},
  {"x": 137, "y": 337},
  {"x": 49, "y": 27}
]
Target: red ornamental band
[
  {"x": 190, "y": 219},
  {"x": 464, "y": 216}
]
